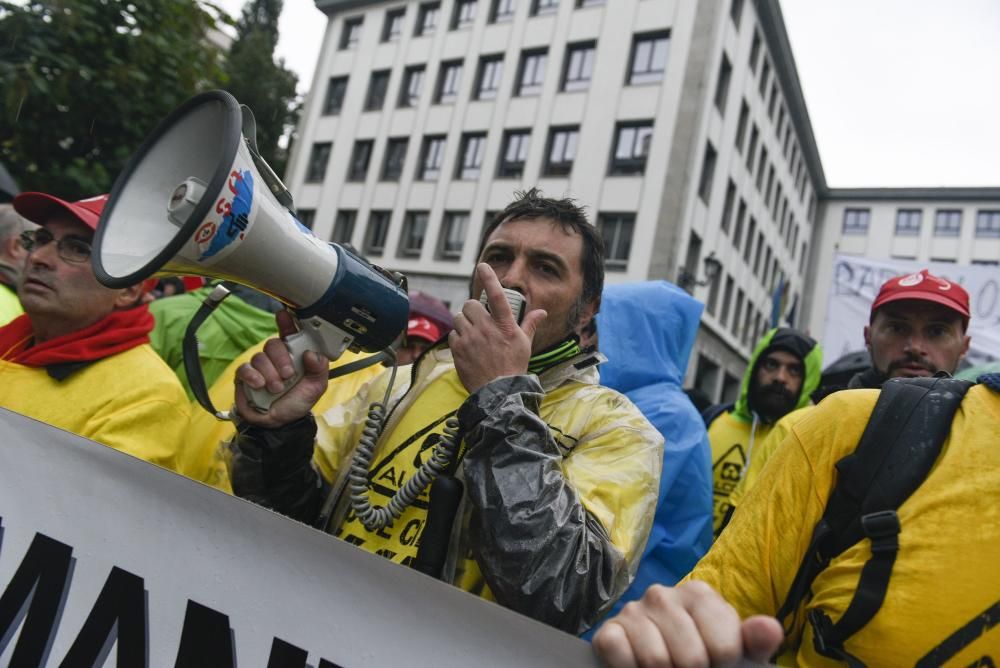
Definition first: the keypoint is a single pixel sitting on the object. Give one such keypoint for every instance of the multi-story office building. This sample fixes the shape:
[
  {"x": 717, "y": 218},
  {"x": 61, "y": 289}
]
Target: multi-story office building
[
  {"x": 926, "y": 225},
  {"x": 680, "y": 124}
]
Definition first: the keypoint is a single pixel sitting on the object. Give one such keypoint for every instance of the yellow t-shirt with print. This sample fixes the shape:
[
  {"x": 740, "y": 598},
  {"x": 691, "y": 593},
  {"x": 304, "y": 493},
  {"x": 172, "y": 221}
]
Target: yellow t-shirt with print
[
  {"x": 731, "y": 439},
  {"x": 944, "y": 594}
]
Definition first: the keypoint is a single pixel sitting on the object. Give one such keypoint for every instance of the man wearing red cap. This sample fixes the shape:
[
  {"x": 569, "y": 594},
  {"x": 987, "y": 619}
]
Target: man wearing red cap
[
  {"x": 78, "y": 358},
  {"x": 940, "y": 604},
  {"x": 916, "y": 328}
]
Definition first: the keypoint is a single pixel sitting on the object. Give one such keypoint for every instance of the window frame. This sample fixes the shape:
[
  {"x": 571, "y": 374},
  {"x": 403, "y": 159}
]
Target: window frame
[
  {"x": 354, "y": 174},
  {"x": 534, "y": 88},
  {"x": 654, "y": 75},
  {"x": 315, "y": 174},
  {"x": 622, "y": 221},
  {"x": 374, "y": 91},
  {"x": 563, "y": 167},
  {"x": 513, "y": 169},
  {"x": 375, "y": 232},
  {"x": 337, "y": 84},
  {"x": 394, "y": 158},
  {"x": 634, "y": 165},
  {"x": 589, "y": 50},
  {"x": 464, "y": 170}
]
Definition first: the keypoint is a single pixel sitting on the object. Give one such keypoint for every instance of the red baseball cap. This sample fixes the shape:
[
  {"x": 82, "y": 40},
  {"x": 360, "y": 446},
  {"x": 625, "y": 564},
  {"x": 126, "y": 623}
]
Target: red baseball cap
[
  {"x": 926, "y": 287},
  {"x": 39, "y": 207},
  {"x": 420, "y": 327}
]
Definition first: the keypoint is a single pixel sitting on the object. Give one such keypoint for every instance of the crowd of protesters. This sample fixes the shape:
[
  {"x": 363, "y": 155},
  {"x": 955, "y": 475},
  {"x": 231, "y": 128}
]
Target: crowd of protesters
[{"x": 588, "y": 491}]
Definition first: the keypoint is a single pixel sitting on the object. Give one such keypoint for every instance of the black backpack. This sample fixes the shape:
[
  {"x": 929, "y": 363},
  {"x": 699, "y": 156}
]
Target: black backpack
[{"x": 903, "y": 439}]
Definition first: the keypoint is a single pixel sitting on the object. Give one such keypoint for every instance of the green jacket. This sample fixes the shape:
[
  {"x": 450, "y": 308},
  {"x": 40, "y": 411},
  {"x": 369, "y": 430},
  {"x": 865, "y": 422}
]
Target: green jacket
[{"x": 232, "y": 328}]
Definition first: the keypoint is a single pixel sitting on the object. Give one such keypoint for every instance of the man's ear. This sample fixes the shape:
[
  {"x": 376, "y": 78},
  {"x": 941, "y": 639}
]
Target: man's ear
[
  {"x": 868, "y": 338},
  {"x": 12, "y": 248},
  {"x": 128, "y": 297},
  {"x": 965, "y": 345},
  {"x": 587, "y": 314}
]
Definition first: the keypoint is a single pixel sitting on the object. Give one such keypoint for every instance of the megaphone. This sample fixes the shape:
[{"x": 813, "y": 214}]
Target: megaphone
[{"x": 193, "y": 200}]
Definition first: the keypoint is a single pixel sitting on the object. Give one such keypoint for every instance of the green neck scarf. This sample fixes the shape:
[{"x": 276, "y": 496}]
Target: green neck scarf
[{"x": 560, "y": 352}]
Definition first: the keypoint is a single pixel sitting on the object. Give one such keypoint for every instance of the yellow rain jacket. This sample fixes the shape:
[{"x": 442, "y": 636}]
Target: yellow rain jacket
[
  {"x": 561, "y": 481},
  {"x": 130, "y": 401},
  {"x": 944, "y": 589},
  {"x": 205, "y": 456}
]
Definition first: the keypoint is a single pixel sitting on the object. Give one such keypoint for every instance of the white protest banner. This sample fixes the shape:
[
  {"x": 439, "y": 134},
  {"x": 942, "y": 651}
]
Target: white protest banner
[
  {"x": 856, "y": 281},
  {"x": 107, "y": 560}
]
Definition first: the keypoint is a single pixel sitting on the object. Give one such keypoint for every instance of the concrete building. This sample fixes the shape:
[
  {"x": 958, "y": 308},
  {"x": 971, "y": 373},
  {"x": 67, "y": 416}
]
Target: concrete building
[
  {"x": 680, "y": 124},
  {"x": 928, "y": 225}
]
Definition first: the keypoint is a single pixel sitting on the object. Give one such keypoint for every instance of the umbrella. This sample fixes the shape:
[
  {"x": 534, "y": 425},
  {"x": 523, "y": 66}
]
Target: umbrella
[{"x": 432, "y": 308}]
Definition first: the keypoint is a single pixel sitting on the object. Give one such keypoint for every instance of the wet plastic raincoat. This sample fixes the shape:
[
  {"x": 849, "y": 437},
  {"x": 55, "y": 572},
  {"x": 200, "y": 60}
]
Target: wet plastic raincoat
[
  {"x": 734, "y": 434},
  {"x": 561, "y": 481},
  {"x": 647, "y": 330}
]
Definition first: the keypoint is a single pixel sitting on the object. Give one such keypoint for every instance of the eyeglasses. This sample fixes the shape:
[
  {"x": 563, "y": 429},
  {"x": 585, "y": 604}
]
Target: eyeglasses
[{"x": 71, "y": 249}]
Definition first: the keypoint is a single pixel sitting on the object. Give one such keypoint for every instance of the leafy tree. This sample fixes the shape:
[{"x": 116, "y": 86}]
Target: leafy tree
[
  {"x": 260, "y": 82},
  {"x": 82, "y": 82}
]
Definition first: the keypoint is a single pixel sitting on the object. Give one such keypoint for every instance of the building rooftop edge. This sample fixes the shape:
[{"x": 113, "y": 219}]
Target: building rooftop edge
[
  {"x": 773, "y": 25},
  {"x": 331, "y": 7},
  {"x": 910, "y": 193}
]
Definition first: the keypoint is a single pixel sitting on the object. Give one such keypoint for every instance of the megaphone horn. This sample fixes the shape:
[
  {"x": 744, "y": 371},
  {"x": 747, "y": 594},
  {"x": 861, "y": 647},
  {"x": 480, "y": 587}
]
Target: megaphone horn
[{"x": 192, "y": 200}]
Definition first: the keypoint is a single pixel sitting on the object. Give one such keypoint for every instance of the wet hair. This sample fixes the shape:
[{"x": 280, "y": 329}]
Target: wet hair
[{"x": 532, "y": 205}]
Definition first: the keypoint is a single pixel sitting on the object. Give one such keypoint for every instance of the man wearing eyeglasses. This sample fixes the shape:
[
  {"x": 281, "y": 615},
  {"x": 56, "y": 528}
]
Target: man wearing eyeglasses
[{"x": 79, "y": 357}]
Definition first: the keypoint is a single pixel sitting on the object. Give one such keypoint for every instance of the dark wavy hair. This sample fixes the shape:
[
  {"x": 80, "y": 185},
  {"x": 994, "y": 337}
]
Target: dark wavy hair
[{"x": 532, "y": 205}]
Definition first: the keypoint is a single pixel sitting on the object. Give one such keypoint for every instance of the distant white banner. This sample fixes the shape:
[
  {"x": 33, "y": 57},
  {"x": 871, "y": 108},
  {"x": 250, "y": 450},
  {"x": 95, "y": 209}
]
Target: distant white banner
[
  {"x": 107, "y": 560},
  {"x": 856, "y": 281}
]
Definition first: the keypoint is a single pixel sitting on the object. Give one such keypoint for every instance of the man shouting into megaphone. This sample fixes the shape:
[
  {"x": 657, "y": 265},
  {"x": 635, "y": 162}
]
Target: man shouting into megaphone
[{"x": 560, "y": 475}]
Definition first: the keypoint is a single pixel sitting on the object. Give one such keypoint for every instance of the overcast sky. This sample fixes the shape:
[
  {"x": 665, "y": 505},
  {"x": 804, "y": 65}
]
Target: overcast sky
[{"x": 899, "y": 92}]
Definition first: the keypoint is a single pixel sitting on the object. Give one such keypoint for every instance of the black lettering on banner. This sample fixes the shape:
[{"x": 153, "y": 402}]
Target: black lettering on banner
[
  {"x": 381, "y": 532},
  {"x": 354, "y": 540},
  {"x": 390, "y": 475},
  {"x": 35, "y": 595},
  {"x": 986, "y": 300},
  {"x": 963, "y": 638},
  {"x": 120, "y": 611},
  {"x": 383, "y": 552},
  {"x": 286, "y": 655},
  {"x": 206, "y": 639},
  {"x": 985, "y": 661}
]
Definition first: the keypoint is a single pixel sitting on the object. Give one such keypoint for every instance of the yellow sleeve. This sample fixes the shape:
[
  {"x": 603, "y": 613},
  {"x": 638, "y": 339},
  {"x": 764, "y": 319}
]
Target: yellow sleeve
[{"x": 763, "y": 452}]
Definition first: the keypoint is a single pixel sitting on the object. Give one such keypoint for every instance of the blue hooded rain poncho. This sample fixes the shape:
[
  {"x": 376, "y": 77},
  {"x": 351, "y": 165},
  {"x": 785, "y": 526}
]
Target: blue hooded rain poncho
[{"x": 647, "y": 330}]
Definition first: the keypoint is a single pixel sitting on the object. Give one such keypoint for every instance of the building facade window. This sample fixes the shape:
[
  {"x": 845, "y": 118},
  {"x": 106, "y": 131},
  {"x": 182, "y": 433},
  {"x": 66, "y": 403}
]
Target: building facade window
[
  {"x": 988, "y": 223},
  {"x": 307, "y": 217},
  {"x": 392, "y": 29},
  {"x": 502, "y": 10},
  {"x": 856, "y": 221},
  {"x": 377, "y": 87},
  {"x": 947, "y": 222},
  {"x": 427, "y": 18},
  {"x": 632, "y": 142},
  {"x": 748, "y": 248},
  {"x": 754, "y": 51},
  {"x": 531, "y": 73},
  {"x": 722, "y": 84},
  {"x": 752, "y": 149},
  {"x": 411, "y": 236},
  {"x": 350, "y": 35},
  {"x": 590, "y": 3},
  {"x": 765, "y": 75},
  {"x": 908, "y": 222},
  {"x": 343, "y": 226},
  {"x": 727, "y": 206},
  {"x": 378, "y": 230},
  {"x": 513, "y": 154},
  {"x": 741, "y": 125},
  {"x": 361, "y": 154},
  {"x": 431, "y": 158},
  {"x": 541, "y": 7},
  {"x": 707, "y": 173},
  {"x": 413, "y": 85},
  {"x": 648, "y": 62},
  {"x": 727, "y": 297},
  {"x": 454, "y": 227},
  {"x": 579, "y": 66},
  {"x": 464, "y": 14},
  {"x": 561, "y": 150},
  {"x": 336, "y": 90},
  {"x": 318, "y": 157},
  {"x": 488, "y": 77},
  {"x": 616, "y": 231},
  {"x": 735, "y": 12},
  {"x": 471, "y": 154},
  {"x": 741, "y": 215},
  {"x": 395, "y": 157},
  {"x": 449, "y": 79}
]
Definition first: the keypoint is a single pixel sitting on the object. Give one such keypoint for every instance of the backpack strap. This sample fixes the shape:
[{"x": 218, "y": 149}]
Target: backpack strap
[{"x": 903, "y": 439}]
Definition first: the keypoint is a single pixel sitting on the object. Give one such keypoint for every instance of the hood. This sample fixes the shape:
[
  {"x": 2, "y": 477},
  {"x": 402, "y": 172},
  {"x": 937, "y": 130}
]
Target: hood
[
  {"x": 646, "y": 330},
  {"x": 795, "y": 342}
]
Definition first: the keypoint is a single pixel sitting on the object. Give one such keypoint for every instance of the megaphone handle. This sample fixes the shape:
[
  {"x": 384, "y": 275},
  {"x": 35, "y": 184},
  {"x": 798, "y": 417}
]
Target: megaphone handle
[{"x": 297, "y": 344}]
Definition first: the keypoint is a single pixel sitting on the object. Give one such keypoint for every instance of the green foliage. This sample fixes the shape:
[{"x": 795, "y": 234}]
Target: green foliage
[
  {"x": 256, "y": 80},
  {"x": 82, "y": 82}
]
